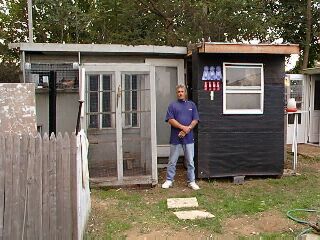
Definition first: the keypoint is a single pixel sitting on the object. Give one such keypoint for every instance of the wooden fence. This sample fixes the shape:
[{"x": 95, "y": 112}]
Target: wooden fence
[{"x": 38, "y": 187}]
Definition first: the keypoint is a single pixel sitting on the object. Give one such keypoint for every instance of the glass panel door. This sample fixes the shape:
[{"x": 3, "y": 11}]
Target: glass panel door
[
  {"x": 136, "y": 124},
  {"x": 295, "y": 88},
  {"x": 101, "y": 107}
]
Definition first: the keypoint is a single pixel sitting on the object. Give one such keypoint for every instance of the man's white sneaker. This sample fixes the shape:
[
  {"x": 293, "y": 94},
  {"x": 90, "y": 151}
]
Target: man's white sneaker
[
  {"x": 194, "y": 186},
  {"x": 167, "y": 184}
]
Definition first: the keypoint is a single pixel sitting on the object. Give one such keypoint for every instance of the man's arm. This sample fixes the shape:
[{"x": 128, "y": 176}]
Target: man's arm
[
  {"x": 176, "y": 124},
  {"x": 193, "y": 124}
]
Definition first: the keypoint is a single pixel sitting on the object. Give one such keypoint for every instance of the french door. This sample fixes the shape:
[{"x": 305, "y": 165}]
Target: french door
[
  {"x": 120, "y": 119},
  {"x": 314, "y": 131},
  {"x": 296, "y": 88}
]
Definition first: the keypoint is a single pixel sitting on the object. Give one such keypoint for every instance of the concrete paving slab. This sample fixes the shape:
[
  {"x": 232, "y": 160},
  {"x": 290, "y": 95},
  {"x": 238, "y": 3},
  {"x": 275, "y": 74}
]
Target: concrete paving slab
[
  {"x": 193, "y": 214},
  {"x": 310, "y": 236},
  {"x": 182, "y": 202}
]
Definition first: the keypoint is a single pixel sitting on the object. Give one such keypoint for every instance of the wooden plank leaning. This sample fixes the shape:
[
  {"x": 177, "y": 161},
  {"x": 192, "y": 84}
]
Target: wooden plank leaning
[{"x": 2, "y": 171}]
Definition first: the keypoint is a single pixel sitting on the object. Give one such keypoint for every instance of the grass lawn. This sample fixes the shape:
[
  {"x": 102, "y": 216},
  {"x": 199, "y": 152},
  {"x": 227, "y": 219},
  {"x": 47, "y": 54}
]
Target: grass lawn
[{"x": 252, "y": 210}]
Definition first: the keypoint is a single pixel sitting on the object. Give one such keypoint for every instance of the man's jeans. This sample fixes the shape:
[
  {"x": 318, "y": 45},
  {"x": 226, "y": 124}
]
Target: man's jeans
[{"x": 174, "y": 155}]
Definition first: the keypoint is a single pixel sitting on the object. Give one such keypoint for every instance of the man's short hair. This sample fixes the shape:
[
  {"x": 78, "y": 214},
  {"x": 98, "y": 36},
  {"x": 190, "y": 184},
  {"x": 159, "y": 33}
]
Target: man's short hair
[
  {"x": 184, "y": 88},
  {"x": 181, "y": 86}
]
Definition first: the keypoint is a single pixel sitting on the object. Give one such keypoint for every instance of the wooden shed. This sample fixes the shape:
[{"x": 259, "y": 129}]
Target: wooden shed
[
  {"x": 239, "y": 91},
  {"x": 126, "y": 91}
]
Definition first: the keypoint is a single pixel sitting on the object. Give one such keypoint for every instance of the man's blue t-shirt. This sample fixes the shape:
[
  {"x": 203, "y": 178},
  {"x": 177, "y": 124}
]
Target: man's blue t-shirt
[{"x": 184, "y": 112}]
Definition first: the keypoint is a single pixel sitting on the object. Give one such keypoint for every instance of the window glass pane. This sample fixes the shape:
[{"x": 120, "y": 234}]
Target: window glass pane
[
  {"x": 94, "y": 102},
  {"x": 134, "y": 82},
  {"x": 134, "y": 120},
  {"x": 243, "y": 76},
  {"x": 106, "y": 120},
  {"x": 134, "y": 100},
  {"x": 93, "y": 82},
  {"x": 106, "y": 102},
  {"x": 93, "y": 121},
  {"x": 127, "y": 98},
  {"x": 296, "y": 91},
  {"x": 243, "y": 101},
  {"x": 106, "y": 82}
]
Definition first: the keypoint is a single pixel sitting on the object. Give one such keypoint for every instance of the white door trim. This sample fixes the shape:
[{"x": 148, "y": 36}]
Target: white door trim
[{"x": 163, "y": 150}]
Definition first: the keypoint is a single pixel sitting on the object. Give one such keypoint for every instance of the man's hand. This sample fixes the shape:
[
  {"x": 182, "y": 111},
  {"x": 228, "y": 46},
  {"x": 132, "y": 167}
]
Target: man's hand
[
  {"x": 176, "y": 124},
  {"x": 186, "y": 129},
  {"x": 182, "y": 134}
]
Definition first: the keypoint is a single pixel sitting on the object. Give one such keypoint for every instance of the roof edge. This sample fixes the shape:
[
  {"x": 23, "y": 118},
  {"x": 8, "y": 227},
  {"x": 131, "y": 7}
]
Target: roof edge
[
  {"x": 261, "y": 48},
  {"x": 102, "y": 48}
]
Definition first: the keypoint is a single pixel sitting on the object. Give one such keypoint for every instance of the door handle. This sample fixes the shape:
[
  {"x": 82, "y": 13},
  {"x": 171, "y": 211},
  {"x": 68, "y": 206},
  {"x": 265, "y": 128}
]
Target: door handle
[{"x": 119, "y": 94}]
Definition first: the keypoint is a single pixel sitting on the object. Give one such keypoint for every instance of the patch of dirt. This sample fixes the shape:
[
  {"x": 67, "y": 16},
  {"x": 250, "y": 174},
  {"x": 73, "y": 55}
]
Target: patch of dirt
[
  {"x": 168, "y": 234},
  {"x": 265, "y": 222},
  {"x": 306, "y": 150}
]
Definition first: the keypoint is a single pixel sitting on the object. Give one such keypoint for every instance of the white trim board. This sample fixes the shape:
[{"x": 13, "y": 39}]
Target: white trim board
[{"x": 98, "y": 48}]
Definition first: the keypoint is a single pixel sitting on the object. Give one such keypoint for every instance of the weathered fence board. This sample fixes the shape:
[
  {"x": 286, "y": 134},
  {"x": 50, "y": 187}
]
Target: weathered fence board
[
  {"x": 60, "y": 179},
  {"x": 52, "y": 189},
  {"x": 15, "y": 231},
  {"x": 73, "y": 174},
  {"x": 30, "y": 225},
  {"x": 38, "y": 187},
  {"x": 66, "y": 187},
  {"x": 24, "y": 144},
  {"x": 45, "y": 187}
]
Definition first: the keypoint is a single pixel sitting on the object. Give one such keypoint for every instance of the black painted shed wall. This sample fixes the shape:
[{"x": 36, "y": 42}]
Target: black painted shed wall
[{"x": 233, "y": 145}]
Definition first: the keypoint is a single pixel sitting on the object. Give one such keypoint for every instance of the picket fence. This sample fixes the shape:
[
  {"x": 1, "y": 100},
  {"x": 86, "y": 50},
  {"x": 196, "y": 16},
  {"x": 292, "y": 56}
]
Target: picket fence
[{"x": 38, "y": 187}]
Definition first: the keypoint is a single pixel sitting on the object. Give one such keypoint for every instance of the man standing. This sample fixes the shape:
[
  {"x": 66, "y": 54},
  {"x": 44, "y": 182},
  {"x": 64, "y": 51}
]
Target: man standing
[{"x": 183, "y": 116}]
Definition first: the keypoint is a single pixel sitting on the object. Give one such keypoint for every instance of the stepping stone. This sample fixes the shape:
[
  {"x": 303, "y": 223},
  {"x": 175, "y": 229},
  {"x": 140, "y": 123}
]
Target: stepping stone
[
  {"x": 309, "y": 236},
  {"x": 182, "y": 202},
  {"x": 193, "y": 214}
]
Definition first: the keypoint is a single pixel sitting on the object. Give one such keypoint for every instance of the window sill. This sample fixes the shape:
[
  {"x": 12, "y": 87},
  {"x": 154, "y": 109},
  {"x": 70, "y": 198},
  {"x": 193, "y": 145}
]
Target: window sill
[{"x": 243, "y": 112}]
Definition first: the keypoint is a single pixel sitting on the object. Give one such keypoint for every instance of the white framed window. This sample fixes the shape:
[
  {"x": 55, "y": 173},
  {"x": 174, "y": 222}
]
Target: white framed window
[
  {"x": 101, "y": 111},
  {"x": 243, "y": 85}
]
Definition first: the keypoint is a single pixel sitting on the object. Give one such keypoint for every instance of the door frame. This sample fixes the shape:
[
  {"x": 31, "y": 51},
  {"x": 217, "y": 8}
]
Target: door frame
[
  {"x": 305, "y": 107},
  {"x": 116, "y": 69},
  {"x": 311, "y": 79},
  {"x": 163, "y": 150}
]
